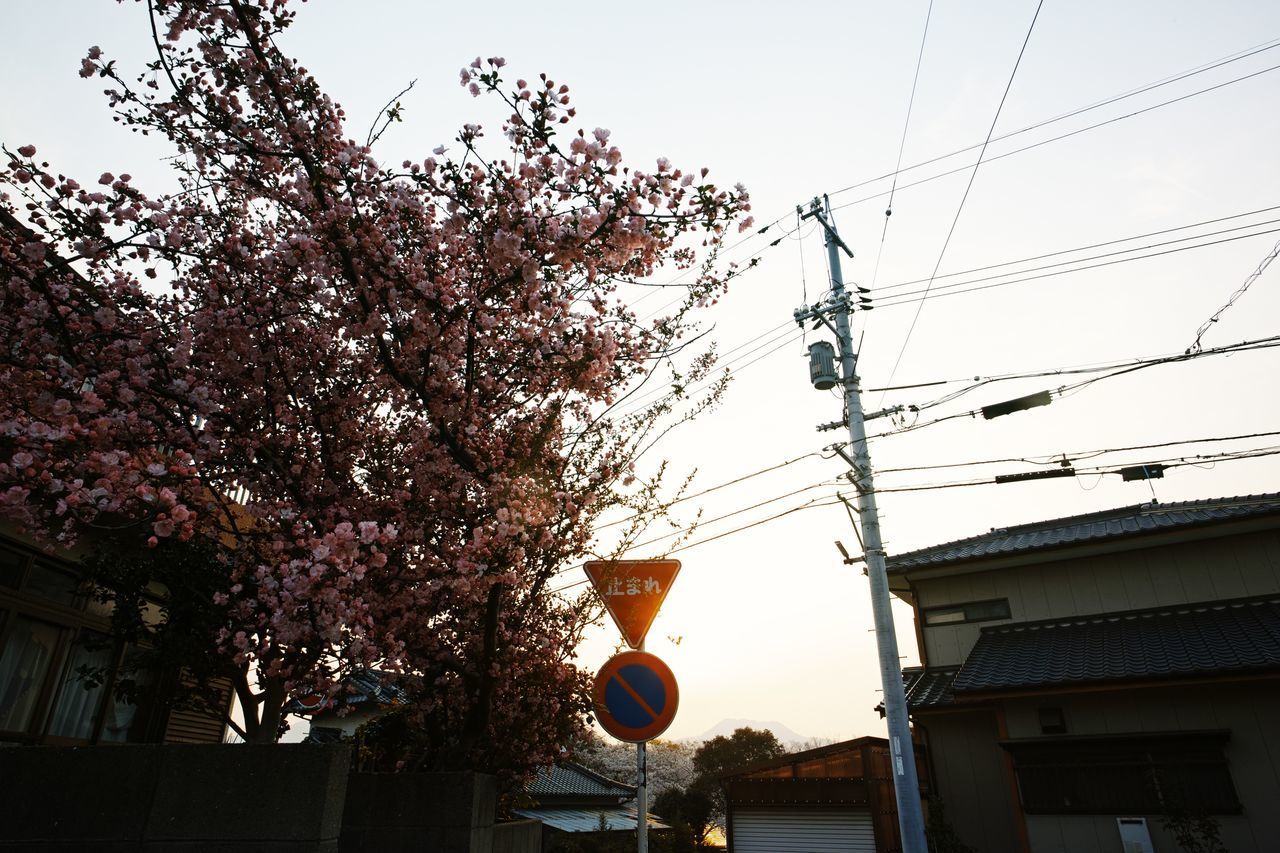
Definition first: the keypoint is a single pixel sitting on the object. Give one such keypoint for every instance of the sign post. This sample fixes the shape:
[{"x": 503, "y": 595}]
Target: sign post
[{"x": 635, "y": 693}]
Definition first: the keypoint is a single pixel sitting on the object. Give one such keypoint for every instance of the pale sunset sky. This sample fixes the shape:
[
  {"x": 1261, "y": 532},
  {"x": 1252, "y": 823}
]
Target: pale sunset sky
[{"x": 800, "y": 99}]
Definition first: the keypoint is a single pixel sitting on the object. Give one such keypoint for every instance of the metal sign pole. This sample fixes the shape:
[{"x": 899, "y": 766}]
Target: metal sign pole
[
  {"x": 642, "y": 799},
  {"x": 642, "y": 793}
]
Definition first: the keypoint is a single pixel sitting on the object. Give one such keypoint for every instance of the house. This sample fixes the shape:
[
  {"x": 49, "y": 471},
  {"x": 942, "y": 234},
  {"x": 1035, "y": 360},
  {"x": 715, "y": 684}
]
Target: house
[
  {"x": 50, "y": 629},
  {"x": 366, "y": 695},
  {"x": 835, "y": 797},
  {"x": 578, "y": 806},
  {"x": 1088, "y": 680}
]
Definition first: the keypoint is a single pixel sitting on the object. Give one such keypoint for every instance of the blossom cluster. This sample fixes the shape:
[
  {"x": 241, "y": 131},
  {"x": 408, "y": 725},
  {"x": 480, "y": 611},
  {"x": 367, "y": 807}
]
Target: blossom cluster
[{"x": 379, "y": 387}]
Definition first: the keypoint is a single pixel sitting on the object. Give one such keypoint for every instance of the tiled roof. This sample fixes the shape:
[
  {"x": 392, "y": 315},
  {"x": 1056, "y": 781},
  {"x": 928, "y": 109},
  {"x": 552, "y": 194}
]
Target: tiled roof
[
  {"x": 358, "y": 689},
  {"x": 372, "y": 686},
  {"x": 1214, "y": 638},
  {"x": 929, "y": 688},
  {"x": 570, "y": 779},
  {"x": 1112, "y": 524},
  {"x": 616, "y": 818}
]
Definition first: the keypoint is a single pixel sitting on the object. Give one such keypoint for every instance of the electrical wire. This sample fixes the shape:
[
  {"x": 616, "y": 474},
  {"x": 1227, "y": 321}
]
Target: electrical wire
[
  {"x": 1103, "y": 244},
  {"x": 1198, "y": 460},
  {"x": 812, "y": 504},
  {"x": 742, "y": 479},
  {"x": 959, "y": 287},
  {"x": 830, "y": 481},
  {"x": 1171, "y": 462},
  {"x": 902, "y": 145},
  {"x": 1056, "y": 459},
  {"x": 1240, "y": 291},
  {"x": 1243, "y": 346},
  {"x": 1115, "y": 367},
  {"x": 965, "y": 197},
  {"x": 1219, "y": 63},
  {"x": 778, "y": 342},
  {"x": 1231, "y": 58},
  {"x": 1058, "y": 138}
]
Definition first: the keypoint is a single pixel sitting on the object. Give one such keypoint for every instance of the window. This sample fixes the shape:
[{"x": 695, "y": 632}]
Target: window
[
  {"x": 25, "y": 661},
  {"x": 974, "y": 611},
  {"x": 50, "y": 637},
  {"x": 1052, "y": 721},
  {"x": 76, "y": 709},
  {"x": 1133, "y": 773},
  {"x": 13, "y": 565}
]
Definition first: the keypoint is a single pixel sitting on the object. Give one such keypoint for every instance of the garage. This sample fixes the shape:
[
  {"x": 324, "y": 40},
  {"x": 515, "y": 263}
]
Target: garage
[
  {"x": 834, "y": 799},
  {"x": 795, "y": 829}
]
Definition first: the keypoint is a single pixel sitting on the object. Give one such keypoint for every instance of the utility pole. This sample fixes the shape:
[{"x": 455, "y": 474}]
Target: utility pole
[{"x": 836, "y": 308}]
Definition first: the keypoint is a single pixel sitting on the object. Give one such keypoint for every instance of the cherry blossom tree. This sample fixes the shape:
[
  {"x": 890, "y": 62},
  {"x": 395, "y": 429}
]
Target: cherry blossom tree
[{"x": 390, "y": 394}]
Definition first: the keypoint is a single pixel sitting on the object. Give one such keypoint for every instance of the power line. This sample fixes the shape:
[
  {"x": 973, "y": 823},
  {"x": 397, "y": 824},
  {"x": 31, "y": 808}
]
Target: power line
[
  {"x": 769, "y": 470},
  {"x": 1243, "y": 346},
  {"x": 1271, "y": 256},
  {"x": 902, "y": 145},
  {"x": 972, "y": 175},
  {"x": 825, "y": 501},
  {"x": 830, "y": 481},
  {"x": 1056, "y": 459},
  {"x": 906, "y": 298},
  {"x": 1171, "y": 462},
  {"x": 778, "y": 342},
  {"x": 1219, "y": 63},
  {"x": 812, "y": 504},
  {"x": 1261, "y": 48},
  {"x": 1087, "y": 247},
  {"x": 1052, "y": 139},
  {"x": 903, "y": 298}
]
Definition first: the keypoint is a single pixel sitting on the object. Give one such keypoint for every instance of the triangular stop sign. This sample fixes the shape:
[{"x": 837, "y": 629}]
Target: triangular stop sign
[{"x": 632, "y": 591}]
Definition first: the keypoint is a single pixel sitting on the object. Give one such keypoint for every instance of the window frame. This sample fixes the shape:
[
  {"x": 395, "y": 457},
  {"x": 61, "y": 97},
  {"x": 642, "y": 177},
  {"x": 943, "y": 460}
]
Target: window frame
[
  {"x": 927, "y": 613},
  {"x": 1163, "y": 753},
  {"x": 70, "y": 620}
]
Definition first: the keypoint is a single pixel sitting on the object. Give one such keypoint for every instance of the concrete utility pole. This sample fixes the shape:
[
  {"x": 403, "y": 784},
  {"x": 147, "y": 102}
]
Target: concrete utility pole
[{"x": 836, "y": 307}]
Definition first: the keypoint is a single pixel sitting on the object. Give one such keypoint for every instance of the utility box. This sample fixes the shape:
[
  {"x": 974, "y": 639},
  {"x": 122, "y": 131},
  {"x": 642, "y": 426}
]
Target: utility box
[{"x": 822, "y": 365}]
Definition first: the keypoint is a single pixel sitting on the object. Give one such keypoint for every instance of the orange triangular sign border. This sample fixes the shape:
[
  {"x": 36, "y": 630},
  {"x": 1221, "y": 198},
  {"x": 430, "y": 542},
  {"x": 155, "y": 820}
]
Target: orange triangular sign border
[{"x": 632, "y": 592}]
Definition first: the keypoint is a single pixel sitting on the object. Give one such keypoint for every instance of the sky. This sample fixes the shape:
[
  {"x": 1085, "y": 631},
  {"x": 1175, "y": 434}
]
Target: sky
[{"x": 807, "y": 98}]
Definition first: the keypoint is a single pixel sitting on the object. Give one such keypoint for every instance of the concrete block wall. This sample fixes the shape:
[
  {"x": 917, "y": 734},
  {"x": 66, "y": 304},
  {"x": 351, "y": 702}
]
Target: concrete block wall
[{"x": 295, "y": 798}]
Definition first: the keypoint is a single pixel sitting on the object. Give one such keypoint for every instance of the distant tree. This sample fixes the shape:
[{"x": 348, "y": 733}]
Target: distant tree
[
  {"x": 691, "y": 814},
  {"x": 722, "y": 755},
  {"x": 408, "y": 374},
  {"x": 670, "y": 762}
]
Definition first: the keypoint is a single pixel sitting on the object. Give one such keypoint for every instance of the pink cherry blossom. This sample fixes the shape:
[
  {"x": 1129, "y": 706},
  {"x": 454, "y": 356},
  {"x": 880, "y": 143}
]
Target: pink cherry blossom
[{"x": 383, "y": 392}]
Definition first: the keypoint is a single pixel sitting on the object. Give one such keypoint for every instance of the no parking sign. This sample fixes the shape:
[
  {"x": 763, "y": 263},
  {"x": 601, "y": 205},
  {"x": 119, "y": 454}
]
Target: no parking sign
[{"x": 635, "y": 696}]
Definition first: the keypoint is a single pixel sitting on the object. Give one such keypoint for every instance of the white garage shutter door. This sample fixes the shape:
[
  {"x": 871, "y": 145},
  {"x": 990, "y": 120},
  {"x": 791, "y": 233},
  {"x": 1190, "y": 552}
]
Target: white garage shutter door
[{"x": 801, "y": 830}]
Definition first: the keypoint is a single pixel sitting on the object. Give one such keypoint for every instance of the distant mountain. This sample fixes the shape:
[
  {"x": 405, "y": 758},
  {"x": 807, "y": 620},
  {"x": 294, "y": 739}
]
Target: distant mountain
[{"x": 784, "y": 735}]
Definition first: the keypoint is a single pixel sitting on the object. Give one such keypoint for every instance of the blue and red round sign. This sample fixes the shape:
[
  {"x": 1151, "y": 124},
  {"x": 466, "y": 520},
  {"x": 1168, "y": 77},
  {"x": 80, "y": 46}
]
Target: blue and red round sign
[{"x": 635, "y": 696}]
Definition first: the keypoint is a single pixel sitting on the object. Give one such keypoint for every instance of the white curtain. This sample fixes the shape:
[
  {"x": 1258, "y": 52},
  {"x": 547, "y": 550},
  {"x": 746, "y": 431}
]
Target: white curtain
[
  {"x": 24, "y": 665},
  {"x": 76, "y": 707}
]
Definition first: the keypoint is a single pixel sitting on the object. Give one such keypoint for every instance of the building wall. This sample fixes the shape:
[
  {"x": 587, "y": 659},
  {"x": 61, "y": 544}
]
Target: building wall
[
  {"x": 970, "y": 778},
  {"x": 1249, "y": 710},
  {"x": 1237, "y": 566}
]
